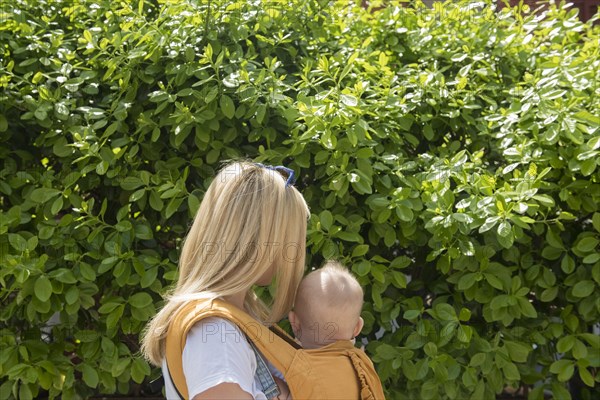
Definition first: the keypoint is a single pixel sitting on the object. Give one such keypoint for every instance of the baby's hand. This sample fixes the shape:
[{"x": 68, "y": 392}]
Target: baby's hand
[{"x": 284, "y": 391}]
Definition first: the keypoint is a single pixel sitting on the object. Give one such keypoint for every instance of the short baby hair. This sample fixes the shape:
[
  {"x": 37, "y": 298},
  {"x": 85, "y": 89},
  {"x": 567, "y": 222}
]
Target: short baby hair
[{"x": 330, "y": 294}]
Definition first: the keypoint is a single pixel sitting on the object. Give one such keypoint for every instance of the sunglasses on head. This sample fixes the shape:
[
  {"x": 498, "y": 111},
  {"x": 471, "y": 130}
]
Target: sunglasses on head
[{"x": 291, "y": 175}]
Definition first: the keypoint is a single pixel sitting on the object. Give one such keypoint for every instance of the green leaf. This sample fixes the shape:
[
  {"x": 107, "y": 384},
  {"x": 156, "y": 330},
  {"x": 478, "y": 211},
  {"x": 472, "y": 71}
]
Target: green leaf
[
  {"x": 24, "y": 392},
  {"x": 139, "y": 370},
  {"x": 508, "y": 241},
  {"x": 587, "y": 244},
  {"x": 120, "y": 366},
  {"x": 527, "y": 308},
  {"x": 87, "y": 272},
  {"x": 326, "y": 219},
  {"x": 144, "y": 232},
  {"x": 43, "y": 288},
  {"x": 504, "y": 229},
  {"x": 551, "y": 253},
  {"x": 149, "y": 277},
  {"x": 365, "y": 153},
  {"x": 406, "y": 122},
  {"x": 586, "y": 377},
  {"x": 411, "y": 314},
  {"x": 565, "y": 344},
  {"x": 40, "y": 114},
  {"x": 549, "y": 294},
  {"x": 113, "y": 318},
  {"x": 588, "y": 167},
  {"x": 108, "y": 307},
  {"x": 489, "y": 223},
  {"x": 596, "y": 221},
  {"x": 386, "y": 351},
  {"x": 566, "y": 373},
  {"x": 544, "y": 200},
  {"x": 349, "y": 100},
  {"x": 479, "y": 391},
  {"x": 361, "y": 182},
  {"x": 494, "y": 281},
  {"x": 554, "y": 239},
  {"x": 567, "y": 264},
  {"x": 261, "y": 112},
  {"x": 593, "y": 340},
  {"x": 17, "y": 241},
  {"x": 3, "y": 123},
  {"x": 587, "y": 117},
  {"x": 87, "y": 336},
  {"x": 518, "y": 352},
  {"x": 102, "y": 167},
  {"x": 131, "y": 183},
  {"x": 404, "y": 213},
  {"x": 511, "y": 372},
  {"x": 591, "y": 258},
  {"x": 429, "y": 390},
  {"x": 227, "y": 106},
  {"x": 173, "y": 206},
  {"x": 57, "y": 205},
  {"x": 583, "y": 288},
  {"x": 43, "y": 195},
  {"x": 123, "y": 226},
  {"x": 360, "y": 250},
  {"x": 140, "y": 300},
  {"x": 464, "y": 333},
  {"x": 563, "y": 368},
  {"x": 399, "y": 279},
  {"x": 401, "y": 262},
  {"x": 537, "y": 393},
  {"x": 579, "y": 350},
  {"x": 465, "y": 314},
  {"x": 477, "y": 360},
  {"x": 466, "y": 281},
  {"x": 428, "y": 132},
  {"x": 155, "y": 201},
  {"x": 362, "y": 268},
  {"x": 445, "y": 312}
]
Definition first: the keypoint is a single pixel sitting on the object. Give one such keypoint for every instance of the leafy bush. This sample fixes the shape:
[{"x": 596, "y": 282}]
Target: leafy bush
[{"x": 449, "y": 156}]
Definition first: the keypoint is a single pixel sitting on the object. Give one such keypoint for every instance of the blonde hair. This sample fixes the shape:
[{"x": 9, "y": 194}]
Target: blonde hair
[
  {"x": 248, "y": 224},
  {"x": 329, "y": 297}
]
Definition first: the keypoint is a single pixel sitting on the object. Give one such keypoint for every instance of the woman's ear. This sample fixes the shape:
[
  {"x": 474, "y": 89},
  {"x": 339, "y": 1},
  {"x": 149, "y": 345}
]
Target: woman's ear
[
  {"x": 295, "y": 322},
  {"x": 359, "y": 325}
]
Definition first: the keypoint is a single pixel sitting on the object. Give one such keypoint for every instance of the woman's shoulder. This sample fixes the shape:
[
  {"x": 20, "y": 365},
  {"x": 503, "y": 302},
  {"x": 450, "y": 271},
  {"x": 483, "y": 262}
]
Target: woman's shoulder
[
  {"x": 215, "y": 352},
  {"x": 217, "y": 333},
  {"x": 212, "y": 323}
]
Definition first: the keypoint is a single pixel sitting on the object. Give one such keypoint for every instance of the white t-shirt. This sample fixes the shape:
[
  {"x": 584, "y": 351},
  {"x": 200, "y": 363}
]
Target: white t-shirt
[{"x": 216, "y": 352}]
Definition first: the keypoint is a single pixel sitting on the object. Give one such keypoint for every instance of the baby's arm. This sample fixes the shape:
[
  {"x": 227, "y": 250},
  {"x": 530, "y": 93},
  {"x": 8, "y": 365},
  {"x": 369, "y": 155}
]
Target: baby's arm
[{"x": 284, "y": 391}]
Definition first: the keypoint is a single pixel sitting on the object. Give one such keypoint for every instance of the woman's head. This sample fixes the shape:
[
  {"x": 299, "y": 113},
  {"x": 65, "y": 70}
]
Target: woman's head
[{"x": 250, "y": 227}]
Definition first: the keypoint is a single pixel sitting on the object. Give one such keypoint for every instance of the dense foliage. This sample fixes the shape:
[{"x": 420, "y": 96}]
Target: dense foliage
[{"x": 449, "y": 156}]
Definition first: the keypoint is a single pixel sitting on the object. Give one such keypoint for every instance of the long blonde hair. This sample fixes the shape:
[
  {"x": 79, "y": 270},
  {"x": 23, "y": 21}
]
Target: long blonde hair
[{"x": 248, "y": 224}]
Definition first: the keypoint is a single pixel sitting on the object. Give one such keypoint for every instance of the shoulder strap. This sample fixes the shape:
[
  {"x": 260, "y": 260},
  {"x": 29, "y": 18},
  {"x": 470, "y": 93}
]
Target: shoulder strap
[
  {"x": 272, "y": 346},
  {"x": 370, "y": 384}
]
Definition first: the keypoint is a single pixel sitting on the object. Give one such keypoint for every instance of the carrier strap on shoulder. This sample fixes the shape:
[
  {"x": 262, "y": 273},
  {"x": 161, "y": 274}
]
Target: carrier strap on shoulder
[
  {"x": 276, "y": 349},
  {"x": 370, "y": 388}
]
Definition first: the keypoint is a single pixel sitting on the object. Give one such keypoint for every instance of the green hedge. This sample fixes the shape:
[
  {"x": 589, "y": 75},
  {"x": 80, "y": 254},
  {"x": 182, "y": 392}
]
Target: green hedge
[{"x": 449, "y": 156}]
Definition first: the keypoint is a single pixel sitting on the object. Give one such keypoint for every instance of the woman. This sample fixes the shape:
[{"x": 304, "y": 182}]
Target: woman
[{"x": 250, "y": 230}]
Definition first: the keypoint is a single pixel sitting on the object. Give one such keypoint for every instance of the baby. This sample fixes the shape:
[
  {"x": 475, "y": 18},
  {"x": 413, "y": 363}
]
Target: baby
[
  {"x": 326, "y": 316},
  {"x": 327, "y": 307}
]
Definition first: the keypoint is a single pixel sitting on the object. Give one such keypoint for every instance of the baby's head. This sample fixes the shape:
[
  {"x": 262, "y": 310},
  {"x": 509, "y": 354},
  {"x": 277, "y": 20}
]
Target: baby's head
[{"x": 327, "y": 307}]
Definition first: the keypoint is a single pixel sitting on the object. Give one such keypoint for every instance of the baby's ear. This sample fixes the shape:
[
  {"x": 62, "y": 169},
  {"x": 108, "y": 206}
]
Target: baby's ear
[
  {"x": 359, "y": 325},
  {"x": 294, "y": 322}
]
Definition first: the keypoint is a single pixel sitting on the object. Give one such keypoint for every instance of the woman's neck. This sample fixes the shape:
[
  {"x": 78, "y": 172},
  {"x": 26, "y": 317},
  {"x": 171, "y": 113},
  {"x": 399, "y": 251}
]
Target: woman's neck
[{"x": 236, "y": 299}]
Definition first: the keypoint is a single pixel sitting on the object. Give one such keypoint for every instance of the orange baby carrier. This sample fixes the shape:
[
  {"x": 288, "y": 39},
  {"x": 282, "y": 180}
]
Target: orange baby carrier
[{"x": 337, "y": 371}]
